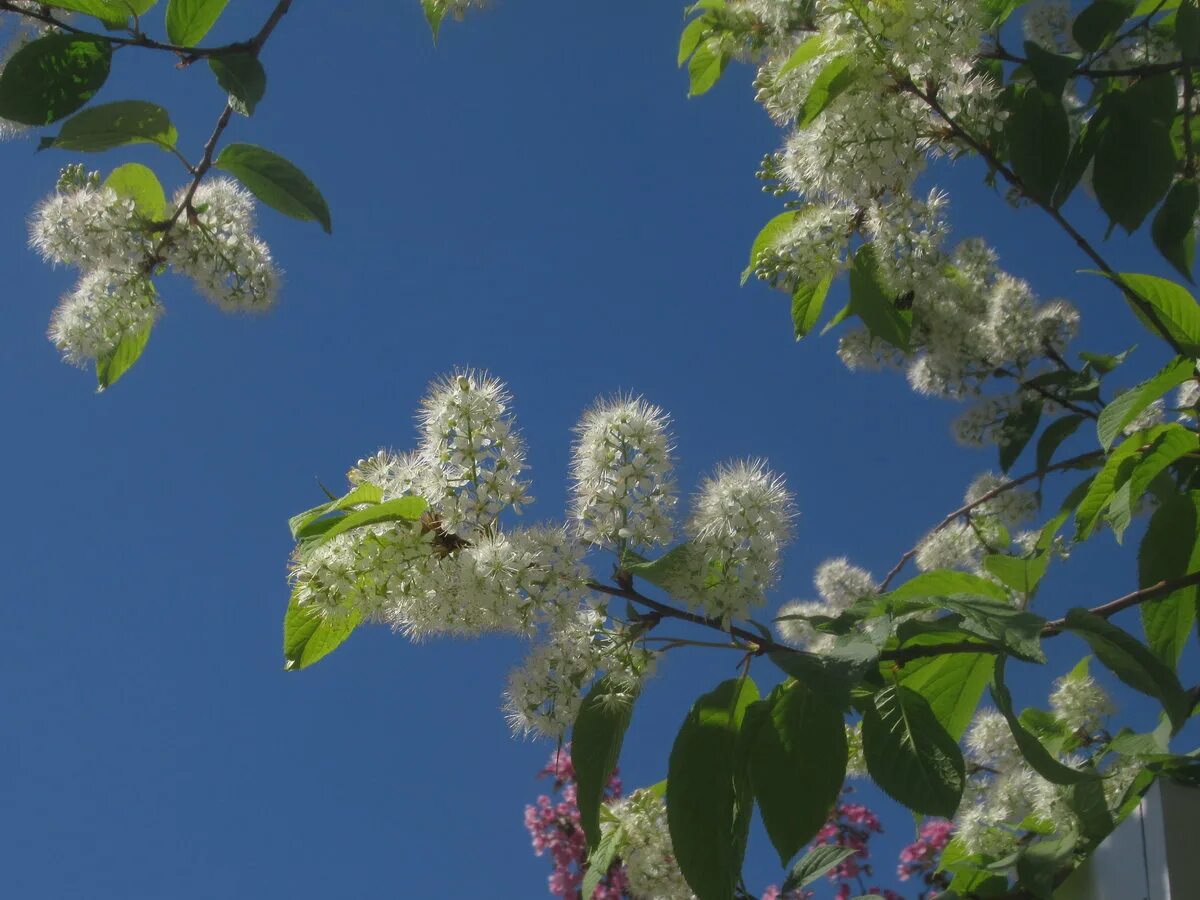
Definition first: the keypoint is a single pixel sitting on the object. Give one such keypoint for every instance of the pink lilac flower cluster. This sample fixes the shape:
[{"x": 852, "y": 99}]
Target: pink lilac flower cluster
[
  {"x": 852, "y": 825},
  {"x": 554, "y": 827},
  {"x": 922, "y": 856}
]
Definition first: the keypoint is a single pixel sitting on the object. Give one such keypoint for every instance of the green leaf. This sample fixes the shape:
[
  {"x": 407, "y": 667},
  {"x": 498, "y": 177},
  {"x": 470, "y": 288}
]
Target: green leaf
[
  {"x": 111, "y": 367},
  {"x": 308, "y": 636},
  {"x": 1166, "y": 448},
  {"x": 276, "y": 182},
  {"x": 1187, "y": 30},
  {"x": 1018, "y": 428},
  {"x": 807, "y": 301},
  {"x": 51, "y": 77},
  {"x": 1175, "y": 307},
  {"x": 834, "y": 673},
  {"x": 869, "y": 302},
  {"x": 705, "y": 68},
  {"x": 1100, "y": 21},
  {"x": 1031, "y": 748},
  {"x": 952, "y": 684},
  {"x": 693, "y": 33},
  {"x": 1083, "y": 151},
  {"x": 435, "y": 11},
  {"x": 113, "y": 125},
  {"x": 678, "y": 566},
  {"x": 1128, "y": 406},
  {"x": 767, "y": 237},
  {"x": 1042, "y": 863},
  {"x": 1051, "y": 71},
  {"x": 600, "y": 860},
  {"x": 1052, "y": 438},
  {"x": 242, "y": 76},
  {"x": 1174, "y": 226},
  {"x": 708, "y": 801},
  {"x": 795, "y": 748},
  {"x": 111, "y": 12},
  {"x": 947, "y": 583},
  {"x": 910, "y": 755},
  {"x": 139, "y": 184},
  {"x": 1021, "y": 573},
  {"x": 1135, "y": 158},
  {"x": 1169, "y": 550},
  {"x": 364, "y": 493},
  {"x": 1132, "y": 662},
  {"x": 188, "y": 21},
  {"x": 815, "y": 864},
  {"x": 402, "y": 508},
  {"x": 1087, "y": 801},
  {"x": 596, "y": 747},
  {"x": 839, "y": 74},
  {"x": 1039, "y": 138}
]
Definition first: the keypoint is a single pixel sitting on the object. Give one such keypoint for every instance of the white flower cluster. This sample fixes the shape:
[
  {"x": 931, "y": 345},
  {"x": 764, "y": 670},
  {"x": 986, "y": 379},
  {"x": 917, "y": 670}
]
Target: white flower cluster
[
  {"x": 988, "y": 528},
  {"x": 645, "y": 847},
  {"x": 741, "y": 518},
  {"x": 1004, "y": 794},
  {"x": 460, "y": 572},
  {"x": 218, "y": 249},
  {"x": 622, "y": 472},
  {"x": 839, "y": 584},
  {"x": 88, "y": 225}
]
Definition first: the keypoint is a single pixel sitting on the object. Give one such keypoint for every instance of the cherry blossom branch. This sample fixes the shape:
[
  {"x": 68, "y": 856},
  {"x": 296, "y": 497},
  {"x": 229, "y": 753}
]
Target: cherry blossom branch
[
  {"x": 984, "y": 498},
  {"x": 926, "y": 96}
]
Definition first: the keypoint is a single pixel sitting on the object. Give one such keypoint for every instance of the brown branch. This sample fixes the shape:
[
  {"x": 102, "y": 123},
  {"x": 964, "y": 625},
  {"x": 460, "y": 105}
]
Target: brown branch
[
  {"x": 1151, "y": 314},
  {"x": 1159, "y": 589},
  {"x": 984, "y": 498}
]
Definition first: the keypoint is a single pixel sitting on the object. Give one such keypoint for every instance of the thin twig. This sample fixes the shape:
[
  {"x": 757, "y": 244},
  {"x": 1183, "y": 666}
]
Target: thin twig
[{"x": 990, "y": 495}]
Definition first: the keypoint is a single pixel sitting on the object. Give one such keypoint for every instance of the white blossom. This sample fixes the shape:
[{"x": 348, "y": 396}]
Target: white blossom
[
  {"x": 104, "y": 308},
  {"x": 840, "y": 583},
  {"x": 1012, "y": 507},
  {"x": 89, "y": 227},
  {"x": 1080, "y": 703},
  {"x": 622, "y": 471},
  {"x": 645, "y": 847}
]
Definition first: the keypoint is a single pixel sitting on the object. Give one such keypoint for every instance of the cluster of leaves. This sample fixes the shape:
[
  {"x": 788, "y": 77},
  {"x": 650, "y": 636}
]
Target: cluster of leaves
[{"x": 56, "y": 76}]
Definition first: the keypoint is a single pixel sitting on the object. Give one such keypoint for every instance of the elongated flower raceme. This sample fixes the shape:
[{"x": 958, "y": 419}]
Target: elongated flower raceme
[
  {"x": 622, "y": 472},
  {"x": 741, "y": 518},
  {"x": 104, "y": 308}
]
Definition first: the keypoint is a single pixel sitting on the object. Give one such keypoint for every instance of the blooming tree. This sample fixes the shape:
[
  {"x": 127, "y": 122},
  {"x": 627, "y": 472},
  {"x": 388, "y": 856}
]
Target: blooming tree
[{"x": 880, "y": 675}]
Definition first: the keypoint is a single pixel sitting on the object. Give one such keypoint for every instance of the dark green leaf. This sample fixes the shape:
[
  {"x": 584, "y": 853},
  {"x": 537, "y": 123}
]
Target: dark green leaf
[
  {"x": 910, "y": 755},
  {"x": 1017, "y": 430},
  {"x": 1087, "y": 801},
  {"x": 52, "y": 77},
  {"x": 402, "y": 508},
  {"x": 1100, "y": 21},
  {"x": 834, "y": 673},
  {"x": 1174, "y": 307},
  {"x": 796, "y": 756},
  {"x": 708, "y": 801},
  {"x": 1132, "y": 662},
  {"x": 1050, "y": 70},
  {"x": 188, "y": 21},
  {"x": 1039, "y": 138},
  {"x": 1135, "y": 158},
  {"x": 308, "y": 636},
  {"x": 815, "y": 864},
  {"x": 1042, "y": 761},
  {"x": 242, "y": 76},
  {"x": 1056, "y": 432},
  {"x": 1042, "y": 863},
  {"x": 807, "y": 301},
  {"x": 111, "y": 367},
  {"x": 1169, "y": 550},
  {"x": 952, "y": 684},
  {"x": 1174, "y": 226},
  {"x": 112, "y": 125},
  {"x": 870, "y": 303},
  {"x": 1128, "y": 406},
  {"x": 839, "y": 74},
  {"x": 596, "y": 747},
  {"x": 139, "y": 184},
  {"x": 1187, "y": 30},
  {"x": 1083, "y": 151},
  {"x": 276, "y": 182},
  {"x": 1165, "y": 448}
]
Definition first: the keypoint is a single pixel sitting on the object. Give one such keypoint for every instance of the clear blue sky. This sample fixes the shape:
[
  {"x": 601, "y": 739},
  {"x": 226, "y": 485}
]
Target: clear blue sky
[{"x": 537, "y": 196}]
